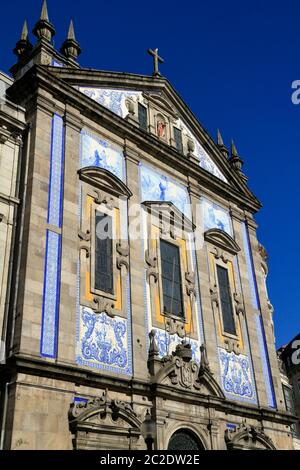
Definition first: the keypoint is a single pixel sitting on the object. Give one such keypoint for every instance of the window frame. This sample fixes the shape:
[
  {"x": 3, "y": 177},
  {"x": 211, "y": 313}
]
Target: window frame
[
  {"x": 231, "y": 288},
  {"x": 183, "y": 300},
  {"x": 292, "y": 396},
  {"x": 180, "y": 131},
  {"x": 140, "y": 105},
  {"x": 110, "y": 212}
]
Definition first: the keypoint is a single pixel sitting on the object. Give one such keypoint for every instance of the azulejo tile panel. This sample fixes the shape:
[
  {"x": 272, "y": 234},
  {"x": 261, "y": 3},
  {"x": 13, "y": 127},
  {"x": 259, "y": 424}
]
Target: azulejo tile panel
[
  {"x": 167, "y": 343},
  {"x": 103, "y": 154},
  {"x": 250, "y": 267},
  {"x": 51, "y": 295},
  {"x": 56, "y": 172},
  {"x": 216, "y": 217},
  {"x": 236, "y": 377},
  {"x": 103, "y": 342},
  {"x": 158, "y": 187},
  {"x": 114, "y": 100}
]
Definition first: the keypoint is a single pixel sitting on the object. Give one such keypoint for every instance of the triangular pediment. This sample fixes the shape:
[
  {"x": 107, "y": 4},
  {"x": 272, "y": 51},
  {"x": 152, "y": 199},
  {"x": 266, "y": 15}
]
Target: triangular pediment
[{"x": 113, "y": 89}]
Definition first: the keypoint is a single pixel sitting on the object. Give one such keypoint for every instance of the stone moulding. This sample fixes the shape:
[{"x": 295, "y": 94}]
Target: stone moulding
[
  {"x": 222, "y": 240},
  {"x": 246, "y": 437}
]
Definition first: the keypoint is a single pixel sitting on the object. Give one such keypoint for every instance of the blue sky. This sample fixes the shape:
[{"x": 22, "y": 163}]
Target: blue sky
[{"x": 233, "y": 63}]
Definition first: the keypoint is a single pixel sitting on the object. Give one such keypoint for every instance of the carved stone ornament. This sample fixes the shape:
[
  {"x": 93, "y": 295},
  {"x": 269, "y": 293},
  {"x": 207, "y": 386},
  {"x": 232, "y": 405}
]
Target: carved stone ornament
[
  {"x": 174, "y": 326},
  {"x": 84, "y": 244},
  {"x": 239, "y": 304},
  {"x": 246, "y": 437},
  {"x": 122, "y": 256},
  {"x": 180, "y": 371},
  {"x": 219, "y": 254},
  {"x": 167, "y": 229},
  {"x": 90, "y": 421},
  {"x": 101, "y": 198},
  {"x": 190, "y": 280},
  {"x": 214, "y": 294},
  {"x": 232, "y": 345},
  {"x": 151, "y": 266},
  {"x": 102, "y": 304},
  {"x": 1, "y": 217}
]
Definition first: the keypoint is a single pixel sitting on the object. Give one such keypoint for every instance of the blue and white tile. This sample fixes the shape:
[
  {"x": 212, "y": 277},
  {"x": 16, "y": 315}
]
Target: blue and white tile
[
  {"x": 103, "y": 154},
  {"x": 114, "y": 100},
  {"x": 167, "y": 343},
  {"x": 159, "y": 187},
  {"x": 216, "y": 217},
  {"x": 103, "y": 341},
  {"x": 236, "y": 378}
]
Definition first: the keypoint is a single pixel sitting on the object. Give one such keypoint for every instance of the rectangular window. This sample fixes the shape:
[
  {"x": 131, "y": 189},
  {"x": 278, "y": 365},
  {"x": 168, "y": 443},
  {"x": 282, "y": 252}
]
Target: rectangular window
[
  {"x": 142, "y": 114},
  {"x": 178, "y": 139},
  {"x": 226, "y": 302},
  {"x": 289, "y": 399},
  {"x": 104, "y": 253},
  {"x": 171, "y": 279}
]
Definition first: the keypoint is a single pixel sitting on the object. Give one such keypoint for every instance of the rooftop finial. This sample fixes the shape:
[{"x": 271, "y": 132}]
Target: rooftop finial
[
  {"x": 236, "y": 161},
  {"x": 24, "y": 34},
  {"x": 44, "y": 14},
  {"x": 221, "y": 144},
  {"x": 71, "y": 48},
  {"x": 71, "y": 32},
  {"x": 23, "y": 46},
  {"x": 43, "y": 28},
  {"x": 234, "y": 152}
]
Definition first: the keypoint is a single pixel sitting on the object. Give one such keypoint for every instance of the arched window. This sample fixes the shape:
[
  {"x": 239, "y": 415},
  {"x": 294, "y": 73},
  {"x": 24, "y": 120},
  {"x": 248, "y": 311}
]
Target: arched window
[{"x": 183, "y": 439}]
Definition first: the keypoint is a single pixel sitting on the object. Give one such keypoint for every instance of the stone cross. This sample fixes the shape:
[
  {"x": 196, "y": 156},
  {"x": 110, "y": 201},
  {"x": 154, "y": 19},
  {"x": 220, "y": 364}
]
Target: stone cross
[{"x": 156, "y": 59}]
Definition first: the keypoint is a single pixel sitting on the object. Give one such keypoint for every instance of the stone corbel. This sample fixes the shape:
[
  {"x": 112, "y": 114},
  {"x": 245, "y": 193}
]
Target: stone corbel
[
  {"x": 232, "y": 345},
  {"x": 122, "y": 257},
  {"x": 103, "y": 305},
  {"x": 100, "y": 198},
  {"x": 174, "y": 326},
  {"x": 239, "y": 305},
  {"x": 190, "y": 288},
  {"x": 85, "y": 238},
  {"x": 219, "y": 254},
  {"x": 151, "y": 262}
]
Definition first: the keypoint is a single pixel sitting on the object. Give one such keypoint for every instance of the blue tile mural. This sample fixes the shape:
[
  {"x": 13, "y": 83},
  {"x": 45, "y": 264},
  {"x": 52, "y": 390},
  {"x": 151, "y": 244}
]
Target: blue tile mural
[
  {"x": 51, "y": 292},
  {"x": 56, "y": 172},
  {"x": 103, "y": 154},
  {"x": 104, "y": 342},
  {"x": 158, "y": 187},
  {"x": 236, "y": 376},
  {"x": 216, "y": 217},
  {"x": 114, "y": 100},
  {"x": 51, "y": 295}
]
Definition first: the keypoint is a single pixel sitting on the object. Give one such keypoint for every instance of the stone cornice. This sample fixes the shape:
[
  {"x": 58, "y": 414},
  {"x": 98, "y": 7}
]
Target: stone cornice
[
  {"x": 39, "y": 76},
  {"x": 38, "y": 367}
]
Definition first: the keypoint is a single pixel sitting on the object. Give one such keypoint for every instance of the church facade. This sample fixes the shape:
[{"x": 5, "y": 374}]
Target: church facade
[{"x": 137, "y": 295}]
